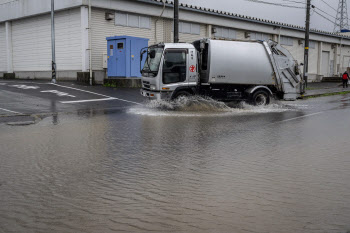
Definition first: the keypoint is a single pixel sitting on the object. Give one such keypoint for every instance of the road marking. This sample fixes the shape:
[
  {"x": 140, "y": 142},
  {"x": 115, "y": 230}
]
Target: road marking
[
  {"x": 95, "y": 100},
  {"x": 84, "y": 101},
  {"x": 107, "y": 97},
  {"x": 3, "y": 84},
  {"x": 10, "y": 111},
  {"x": 59, "y": 93},
  {"x": 295, "y": 118},
  {"x": 25, "y": 87},
  {"x": 82, "y": 90}
]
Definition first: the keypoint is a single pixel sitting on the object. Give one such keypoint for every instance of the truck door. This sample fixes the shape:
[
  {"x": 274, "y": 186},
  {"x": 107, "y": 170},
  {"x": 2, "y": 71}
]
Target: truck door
[
  {"x": 192, "y": 66},
  {"x": 175, "y": 66}
]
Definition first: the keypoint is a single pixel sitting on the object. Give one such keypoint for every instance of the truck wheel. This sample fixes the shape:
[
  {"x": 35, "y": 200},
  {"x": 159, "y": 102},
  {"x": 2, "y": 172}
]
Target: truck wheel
[
  {"x": 260, "y": 98},
  {"x": 181, "y": 94}
]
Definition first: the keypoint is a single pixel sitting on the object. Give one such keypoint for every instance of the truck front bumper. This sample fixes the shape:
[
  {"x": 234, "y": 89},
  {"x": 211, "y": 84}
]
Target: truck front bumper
[{"x": 156, "y": 95}]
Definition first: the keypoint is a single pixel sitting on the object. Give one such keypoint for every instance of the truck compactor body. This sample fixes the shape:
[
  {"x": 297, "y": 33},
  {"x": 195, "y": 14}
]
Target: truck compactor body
[{"x": 253, "y": 71}]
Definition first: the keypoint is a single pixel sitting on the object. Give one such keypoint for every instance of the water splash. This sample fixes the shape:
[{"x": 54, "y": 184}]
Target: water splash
[{"x": 205, "y": 106}]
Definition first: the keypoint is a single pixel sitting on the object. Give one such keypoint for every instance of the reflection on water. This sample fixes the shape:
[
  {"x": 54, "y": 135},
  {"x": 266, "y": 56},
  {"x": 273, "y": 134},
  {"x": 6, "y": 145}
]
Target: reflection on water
[{"x": 133, "y": 172}]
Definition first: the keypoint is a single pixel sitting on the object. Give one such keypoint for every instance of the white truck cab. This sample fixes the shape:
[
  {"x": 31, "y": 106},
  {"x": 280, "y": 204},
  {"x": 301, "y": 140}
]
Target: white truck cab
[{"x": 169, "y": 67}]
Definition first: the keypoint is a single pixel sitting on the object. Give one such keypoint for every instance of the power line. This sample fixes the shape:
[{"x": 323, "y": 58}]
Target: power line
[
  {"x": 324, "y": 17},
  {"x": 329, "y": 5},
  {"x": 325, "y": 12},
  {"x": 294, "y": 1},
  {"x": 275, "y": 4}
]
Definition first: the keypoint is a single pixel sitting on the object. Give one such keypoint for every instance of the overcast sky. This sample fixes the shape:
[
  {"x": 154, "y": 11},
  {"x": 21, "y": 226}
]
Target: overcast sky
[{"x": 293, "y": 16}]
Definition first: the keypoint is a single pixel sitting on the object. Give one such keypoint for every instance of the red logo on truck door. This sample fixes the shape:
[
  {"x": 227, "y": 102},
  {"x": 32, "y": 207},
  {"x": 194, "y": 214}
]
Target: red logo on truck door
[{"x": 192, "y": 68}]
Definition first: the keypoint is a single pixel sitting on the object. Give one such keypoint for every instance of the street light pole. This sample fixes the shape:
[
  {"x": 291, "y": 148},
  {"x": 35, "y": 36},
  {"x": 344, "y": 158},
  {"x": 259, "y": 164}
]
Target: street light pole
[
  {"x": 90, "y": 46},
  {"x": 306, "y": 51},
  {"x": 53, "y": 63}
]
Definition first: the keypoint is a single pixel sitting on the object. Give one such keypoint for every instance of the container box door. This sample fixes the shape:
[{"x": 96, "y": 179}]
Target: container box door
[
  {"x": 112, "y": 71},
  {"x": 135, "y": 49},
  {"x": 121, "y": 58}
]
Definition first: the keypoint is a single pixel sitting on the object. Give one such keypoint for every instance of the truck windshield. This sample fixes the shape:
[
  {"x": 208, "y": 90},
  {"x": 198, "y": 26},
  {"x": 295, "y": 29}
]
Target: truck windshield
[{"x": 154, "y": 54}]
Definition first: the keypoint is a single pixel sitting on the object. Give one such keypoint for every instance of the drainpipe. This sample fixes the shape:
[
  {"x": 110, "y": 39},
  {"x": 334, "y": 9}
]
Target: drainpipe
[
  {"x": 279, "y": 36},
  {"x": 340, "y": 59},
  {"x": 90, "y": 42},
  {"x": 53, "y": 62},
  {"x": 155, "y": 29}
]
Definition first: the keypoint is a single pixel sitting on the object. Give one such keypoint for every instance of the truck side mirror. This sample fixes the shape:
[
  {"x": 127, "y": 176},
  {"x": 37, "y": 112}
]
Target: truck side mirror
[
  {"x": 141, "y": 56},
  {"x": 152, "y": 54},
  {"x": 143, "y": 52}
]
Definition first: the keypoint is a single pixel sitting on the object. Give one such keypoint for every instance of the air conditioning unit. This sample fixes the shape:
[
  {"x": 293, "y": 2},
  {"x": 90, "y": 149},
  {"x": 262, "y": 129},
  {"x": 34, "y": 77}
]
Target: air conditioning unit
[
  {"x": 300, "y": 42},
  {"x": 213, "y": 30},
  {"x": 109, "y": 16},
  {"x": 247, "y": 34}
]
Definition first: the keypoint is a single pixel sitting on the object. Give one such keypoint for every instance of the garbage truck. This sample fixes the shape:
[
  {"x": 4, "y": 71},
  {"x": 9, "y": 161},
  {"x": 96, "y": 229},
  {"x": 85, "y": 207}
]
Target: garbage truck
[{"x": 252, "y": 71}]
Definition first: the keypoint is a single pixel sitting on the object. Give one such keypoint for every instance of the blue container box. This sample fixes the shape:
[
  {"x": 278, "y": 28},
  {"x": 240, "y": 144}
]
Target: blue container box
[{"x": 123, "y": 54}]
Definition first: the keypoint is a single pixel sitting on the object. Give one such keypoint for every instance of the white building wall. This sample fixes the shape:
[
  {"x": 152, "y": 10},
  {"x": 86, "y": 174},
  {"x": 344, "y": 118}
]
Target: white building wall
[
  {"x": 240, "y": 35},
  {"x": 184, "y": 37},
  {"x": 345, "y": 58},
  {"x": 313, "y": 56},
  {"x": 68, "y": 40},
  {"x": 14, "y": 9},
  {"x": 3, "y": 52},
  {"x": 31, "y": 40},
  {"x": 102, "y": 28}
]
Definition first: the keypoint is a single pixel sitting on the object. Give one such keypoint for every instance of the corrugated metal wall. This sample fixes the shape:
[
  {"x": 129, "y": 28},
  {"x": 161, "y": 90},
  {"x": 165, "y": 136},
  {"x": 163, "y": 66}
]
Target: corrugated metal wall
[
  {"x": 102, "y": 28},
  {"x": 184, "y": 37},
  {"x": 3, "y": 52},
  {"x": 31, "y": 41},
  {"x": 68, "y": 40}
]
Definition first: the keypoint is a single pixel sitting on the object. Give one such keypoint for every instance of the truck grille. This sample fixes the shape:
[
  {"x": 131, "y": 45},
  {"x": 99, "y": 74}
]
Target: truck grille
[{"x": 146, "y": 85}]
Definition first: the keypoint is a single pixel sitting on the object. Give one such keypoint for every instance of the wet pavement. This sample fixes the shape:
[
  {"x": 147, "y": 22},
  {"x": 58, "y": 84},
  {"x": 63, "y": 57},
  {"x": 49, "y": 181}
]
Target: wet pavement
[
  {"x": 321, "y": 88},
  {"x": 126, "y": 165}
]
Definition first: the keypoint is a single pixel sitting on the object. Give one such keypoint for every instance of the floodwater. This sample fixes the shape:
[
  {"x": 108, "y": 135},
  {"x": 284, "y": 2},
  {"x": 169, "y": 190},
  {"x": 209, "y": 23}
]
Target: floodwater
[{"x": 197, "y": 166}]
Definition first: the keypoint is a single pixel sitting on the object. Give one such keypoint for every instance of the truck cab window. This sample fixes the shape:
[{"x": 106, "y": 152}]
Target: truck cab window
[{"x": 174, "y": 66}]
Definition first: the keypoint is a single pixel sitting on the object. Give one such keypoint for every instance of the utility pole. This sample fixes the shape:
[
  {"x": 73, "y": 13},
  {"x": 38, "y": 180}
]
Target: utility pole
[
  {"x": 306, "y": 51},
  {"x": 90, "y": 45},
  {"x": 176, "y": 21},
  {"x": 53, "y": 63}
]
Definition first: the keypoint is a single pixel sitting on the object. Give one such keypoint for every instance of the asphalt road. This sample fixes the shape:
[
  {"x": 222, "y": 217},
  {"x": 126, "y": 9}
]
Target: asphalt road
[
  {"x": 96, "y": 159},
  {"x": 40, "y": 99}
]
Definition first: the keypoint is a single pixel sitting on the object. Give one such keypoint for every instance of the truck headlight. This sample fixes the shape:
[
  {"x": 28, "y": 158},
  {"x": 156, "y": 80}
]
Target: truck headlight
[{"x": 153, "y": 87}]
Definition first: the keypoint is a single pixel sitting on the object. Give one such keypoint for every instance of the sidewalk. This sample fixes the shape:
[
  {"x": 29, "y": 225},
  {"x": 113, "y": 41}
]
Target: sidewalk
[{"x": 319, "y": 89}]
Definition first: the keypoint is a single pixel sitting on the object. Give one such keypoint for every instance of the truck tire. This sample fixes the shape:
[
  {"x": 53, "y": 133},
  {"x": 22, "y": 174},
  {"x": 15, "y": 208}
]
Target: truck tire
[
  {"x": 181, "y": 94},
  {"x": 260, "y": 98}
]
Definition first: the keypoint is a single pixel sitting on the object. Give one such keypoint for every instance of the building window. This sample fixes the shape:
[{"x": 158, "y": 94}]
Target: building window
[
  {"x": 312, "y": 44},
  {"x": 132, "y": 20},
  {"x": 189, "y": 28},
  {"x": 286, "y": 41},
  {"x": 225, "y": 33},
  {"x": 259, "y": 36}
]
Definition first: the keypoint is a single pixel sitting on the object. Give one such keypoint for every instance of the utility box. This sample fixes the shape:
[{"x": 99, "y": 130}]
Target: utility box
[{"x": 123, "y": 56}]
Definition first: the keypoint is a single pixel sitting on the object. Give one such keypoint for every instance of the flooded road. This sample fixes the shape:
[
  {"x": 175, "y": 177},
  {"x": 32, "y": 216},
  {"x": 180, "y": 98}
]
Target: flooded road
[{"x": 199, "y": 167}]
